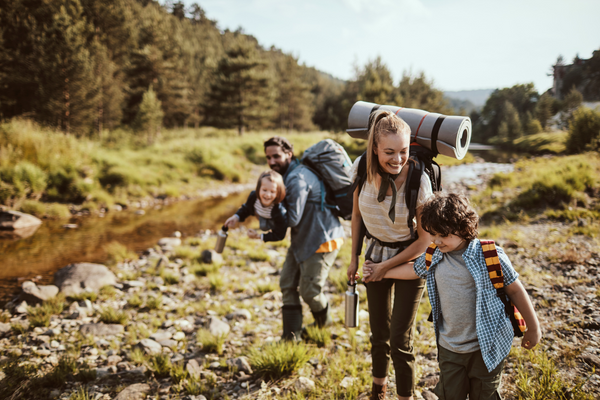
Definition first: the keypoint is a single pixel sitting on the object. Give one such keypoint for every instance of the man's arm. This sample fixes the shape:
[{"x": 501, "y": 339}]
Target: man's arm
[{"x": 296, "y": 196}]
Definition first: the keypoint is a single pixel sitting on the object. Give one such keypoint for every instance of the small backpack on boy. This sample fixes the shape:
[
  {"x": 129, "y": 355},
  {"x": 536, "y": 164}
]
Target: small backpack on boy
[
  {"x": 330, "y": 162},
  {"x": 495, "y": 272}
]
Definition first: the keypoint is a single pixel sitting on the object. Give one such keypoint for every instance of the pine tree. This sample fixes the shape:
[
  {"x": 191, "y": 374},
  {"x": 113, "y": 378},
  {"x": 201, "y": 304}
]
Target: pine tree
[
  {"x": 295, "y": 102},
  {"x": 375, "y": 84},
  {"x": 241, "y": 95},
  {"x": 150, "y": 115}
]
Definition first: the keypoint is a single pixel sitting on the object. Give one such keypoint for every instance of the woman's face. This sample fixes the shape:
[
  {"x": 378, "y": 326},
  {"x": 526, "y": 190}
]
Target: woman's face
[
  {"x": 268, "y": 192},
  {"x": 392, "y": 152}
]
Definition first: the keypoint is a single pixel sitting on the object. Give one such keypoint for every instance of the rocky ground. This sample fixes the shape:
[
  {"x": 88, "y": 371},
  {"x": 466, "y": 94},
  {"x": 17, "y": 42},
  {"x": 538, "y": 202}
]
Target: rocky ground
[{"x": 180, "y": 322}]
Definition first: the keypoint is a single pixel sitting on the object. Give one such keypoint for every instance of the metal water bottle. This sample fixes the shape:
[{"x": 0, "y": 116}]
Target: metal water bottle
[
  {"x": 221, "y": 239},
  {"x": 351, "y": 316}
]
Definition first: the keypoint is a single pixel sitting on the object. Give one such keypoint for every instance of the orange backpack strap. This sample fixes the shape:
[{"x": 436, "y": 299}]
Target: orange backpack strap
[
  {"x": 493, "y": 263},
  {"x": 495, "y": 271},
  {"x": 429, "y": 255}
]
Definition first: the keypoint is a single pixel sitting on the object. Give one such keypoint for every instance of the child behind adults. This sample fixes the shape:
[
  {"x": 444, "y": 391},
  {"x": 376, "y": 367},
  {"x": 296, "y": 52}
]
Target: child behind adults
[
  {"x": 266, "y": 203},
  {"x": 473, "y": 332}
]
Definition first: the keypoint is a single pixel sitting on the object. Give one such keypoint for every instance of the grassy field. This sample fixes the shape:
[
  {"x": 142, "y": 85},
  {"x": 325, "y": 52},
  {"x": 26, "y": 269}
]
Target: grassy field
[{"x": 43, "y": 172}]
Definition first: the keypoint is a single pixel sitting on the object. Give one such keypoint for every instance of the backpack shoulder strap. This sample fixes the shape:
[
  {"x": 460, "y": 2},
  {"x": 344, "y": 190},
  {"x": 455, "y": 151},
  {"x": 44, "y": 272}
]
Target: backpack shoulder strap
[
  {"x": 413, "y": 184},
  {"x": 361, "y": 177},
  {"x": 429, "y": 255},
  {"x": 493, "y": 263}
]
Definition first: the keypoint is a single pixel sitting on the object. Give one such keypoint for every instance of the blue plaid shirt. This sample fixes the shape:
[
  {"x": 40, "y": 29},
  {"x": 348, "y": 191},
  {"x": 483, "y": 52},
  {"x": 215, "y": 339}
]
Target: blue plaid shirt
[{"x": 494, "y": 330}]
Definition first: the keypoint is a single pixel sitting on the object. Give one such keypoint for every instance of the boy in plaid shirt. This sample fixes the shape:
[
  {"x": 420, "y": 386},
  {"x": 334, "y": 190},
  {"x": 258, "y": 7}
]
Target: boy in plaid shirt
[{"x": 472, "y": 330}]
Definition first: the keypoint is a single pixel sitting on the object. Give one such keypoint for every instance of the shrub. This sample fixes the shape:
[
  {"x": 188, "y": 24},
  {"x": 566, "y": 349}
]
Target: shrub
[
  {"x": 277, "y": 359},
  {"x": 583, "y": 129}
]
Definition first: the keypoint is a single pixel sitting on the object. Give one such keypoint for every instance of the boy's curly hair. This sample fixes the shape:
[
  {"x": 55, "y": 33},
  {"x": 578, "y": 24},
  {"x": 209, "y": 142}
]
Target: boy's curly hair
[{"x": 450, "y": 214}]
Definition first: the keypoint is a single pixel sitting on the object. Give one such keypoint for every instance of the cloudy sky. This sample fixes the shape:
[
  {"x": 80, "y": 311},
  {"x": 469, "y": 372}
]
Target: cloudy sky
[{"x": 459, "y": 44}]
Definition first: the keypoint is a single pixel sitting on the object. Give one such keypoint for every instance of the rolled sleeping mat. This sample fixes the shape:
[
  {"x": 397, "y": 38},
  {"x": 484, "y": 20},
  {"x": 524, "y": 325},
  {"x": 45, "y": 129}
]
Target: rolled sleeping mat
[{"x": 449, "y": 135}]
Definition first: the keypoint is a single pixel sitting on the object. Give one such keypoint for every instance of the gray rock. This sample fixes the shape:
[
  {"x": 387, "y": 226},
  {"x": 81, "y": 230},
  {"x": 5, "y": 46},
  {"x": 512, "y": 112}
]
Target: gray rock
[
  {"x": 21, "y": 308},
  {"x": 172, "y": 344},
  {"x": 161, "y": 335},
  {"x": 101, "y": 329},
  {"x": 304, "y": 385},
  {"x": 15, "y": 220},
  {"x": 113, "y": 360},
  {"x": 33, "y": 293},
  {"x": 211, "y": 257},
  {"x": 240, "y": 314},
  {"x": 218, "y": 327},
  {"x": 427, "y": 395},
  {"x": 149, "y": 346},
  {"x": 4, "y": 328},
  {"x": 591, "y": 359},
  {"x": 241, "y": 364},
  {"x": 193, "y": 368},
  {"x": 169, "y": 241},
  {"x": 75, "y": 278},
  {"x": 138, "y": 391},
  {"x": 185, "y": 325}
]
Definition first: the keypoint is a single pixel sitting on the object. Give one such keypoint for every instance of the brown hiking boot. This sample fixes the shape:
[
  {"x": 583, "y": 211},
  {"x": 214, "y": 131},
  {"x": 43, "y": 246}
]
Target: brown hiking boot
[{"x": 378, "y": 392}]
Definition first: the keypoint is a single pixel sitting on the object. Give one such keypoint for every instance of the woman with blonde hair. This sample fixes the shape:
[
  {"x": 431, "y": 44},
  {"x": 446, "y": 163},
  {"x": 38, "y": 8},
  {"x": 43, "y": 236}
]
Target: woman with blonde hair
[{"x": 379, "y": 203}]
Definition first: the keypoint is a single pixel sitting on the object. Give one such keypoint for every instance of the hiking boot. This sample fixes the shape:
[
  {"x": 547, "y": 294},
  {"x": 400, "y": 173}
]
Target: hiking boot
[
  {"x": 323, "y": 317},
  {"x": 292, "y": 322},
  {"x": 378, "y": 392}
]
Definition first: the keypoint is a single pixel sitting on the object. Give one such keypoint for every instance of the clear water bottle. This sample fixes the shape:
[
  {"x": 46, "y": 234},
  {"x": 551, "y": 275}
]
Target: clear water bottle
[
  {"x": 351, "y": 315},
  {"x": 221, "y": 239}
]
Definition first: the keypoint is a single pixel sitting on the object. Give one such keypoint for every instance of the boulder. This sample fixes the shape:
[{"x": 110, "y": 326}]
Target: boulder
[
  {"x": 304, "y": 385},
  {"x": 218, "y": 327},
  {"x": 75, "y": 278},
  {"x": 241, "y": 364},
  {"x": 193, "y": 368},
  {"x": 137, "y": 391},
  {"x": 149, "y": 346},
  {"x": 101, "y": 329},
  {"x": 14, "y": 220},
  {"x": 33, "y": 293}
]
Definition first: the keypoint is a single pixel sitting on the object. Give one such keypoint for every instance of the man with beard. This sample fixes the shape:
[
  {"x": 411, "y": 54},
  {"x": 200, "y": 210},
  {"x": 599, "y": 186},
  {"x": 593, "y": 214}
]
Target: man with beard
[{"x": 316, "y": 234}]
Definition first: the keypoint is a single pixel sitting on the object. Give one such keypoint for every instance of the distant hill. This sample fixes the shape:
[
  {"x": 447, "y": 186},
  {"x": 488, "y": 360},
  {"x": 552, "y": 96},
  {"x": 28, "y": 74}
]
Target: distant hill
[{"x": 476, "y": 97}]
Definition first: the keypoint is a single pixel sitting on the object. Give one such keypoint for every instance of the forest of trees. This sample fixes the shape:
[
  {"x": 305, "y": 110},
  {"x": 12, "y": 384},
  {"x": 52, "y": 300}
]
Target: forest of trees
[{"x": 86, "y": 66}]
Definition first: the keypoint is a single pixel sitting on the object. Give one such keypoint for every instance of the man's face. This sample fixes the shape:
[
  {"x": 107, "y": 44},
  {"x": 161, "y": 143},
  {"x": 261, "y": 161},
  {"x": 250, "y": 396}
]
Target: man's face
[{"x": 278, "y": 159}]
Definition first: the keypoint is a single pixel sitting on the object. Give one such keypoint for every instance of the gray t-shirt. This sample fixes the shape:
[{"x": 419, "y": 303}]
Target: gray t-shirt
[{"x": 457, "y": 294}]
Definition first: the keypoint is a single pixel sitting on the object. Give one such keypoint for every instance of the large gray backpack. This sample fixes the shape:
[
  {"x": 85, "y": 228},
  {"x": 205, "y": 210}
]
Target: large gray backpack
[{"x": 330, "y": 162}]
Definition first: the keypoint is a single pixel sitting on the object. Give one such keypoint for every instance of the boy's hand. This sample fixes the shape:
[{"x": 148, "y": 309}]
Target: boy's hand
[
  {"x": 252, "y": 234},
  {"x": 531, "y": 337}
]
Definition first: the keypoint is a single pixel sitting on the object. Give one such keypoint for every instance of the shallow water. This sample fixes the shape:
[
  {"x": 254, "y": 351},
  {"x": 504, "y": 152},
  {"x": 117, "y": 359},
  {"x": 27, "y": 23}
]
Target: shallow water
[
  {"x": 473, "y": 174},
  {"x": 53, "y": 246}
]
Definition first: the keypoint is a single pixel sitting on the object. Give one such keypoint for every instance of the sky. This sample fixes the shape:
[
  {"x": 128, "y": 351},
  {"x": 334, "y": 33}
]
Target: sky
[{"x": 458, "y": 44}]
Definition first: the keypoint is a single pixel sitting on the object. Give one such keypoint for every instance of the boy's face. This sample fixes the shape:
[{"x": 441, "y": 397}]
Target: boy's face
[{"x": 449, "y": 243}]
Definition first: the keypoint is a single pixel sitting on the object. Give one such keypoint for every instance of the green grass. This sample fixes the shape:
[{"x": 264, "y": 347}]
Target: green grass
[
  {"x": 539, "y": 378},
  {"x": 154, "y": 302},
  {"x": 40, "y": 314},
  {"x": 266, "y": 287},
  {"x": 109, "y": 315},
  {"x": 319, "y": 336},
  {"x": 82, "y": 393},
  {"x": 203, "y": 269},
  {"x": 134, "y": 301},
  {"x": 278, "y": 359},
  {"x": 118, "y": 253},
  {"x": 210, "y": 343},
  {"x": 161, "y": 365},
  {"x": 215, "y": 281},
  {"x": 85, "y": 295}
]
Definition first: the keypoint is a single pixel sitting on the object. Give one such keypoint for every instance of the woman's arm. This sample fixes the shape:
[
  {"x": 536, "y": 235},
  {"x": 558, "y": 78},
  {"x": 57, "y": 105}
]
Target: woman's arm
[
  {"x": 404, "y": 271},
  {"x": 517, "y": 294},
  {"x": 410, "y": 253},
  {"x": 356, "y": 240}
]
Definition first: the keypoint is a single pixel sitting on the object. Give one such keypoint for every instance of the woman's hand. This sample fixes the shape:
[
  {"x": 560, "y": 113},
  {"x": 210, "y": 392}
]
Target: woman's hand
[
  {"x": 232, "y": 221},
  {"x": 372, "y": 272},
  {"x": 252, "y": 234},
  {"x": 353, "y": 271}
]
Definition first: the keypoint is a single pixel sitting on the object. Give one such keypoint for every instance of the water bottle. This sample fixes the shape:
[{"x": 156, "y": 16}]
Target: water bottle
[
  {"x": 351, "y": 316},
  {"x": 221, "y": 239}
]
